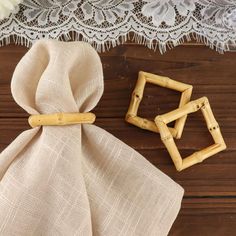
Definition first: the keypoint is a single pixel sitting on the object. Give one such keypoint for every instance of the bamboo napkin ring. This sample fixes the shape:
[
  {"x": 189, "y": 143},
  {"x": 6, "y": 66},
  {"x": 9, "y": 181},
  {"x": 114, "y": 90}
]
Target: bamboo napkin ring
[
  {"x": 167, "y": 138},
  {"x": 61, "y": 119},
  {"x": 137, "y": 95}
]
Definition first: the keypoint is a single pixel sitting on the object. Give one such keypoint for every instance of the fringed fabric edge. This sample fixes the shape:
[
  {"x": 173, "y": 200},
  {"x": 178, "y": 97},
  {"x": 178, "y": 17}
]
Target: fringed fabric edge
[{"x": 132, "y": 36}]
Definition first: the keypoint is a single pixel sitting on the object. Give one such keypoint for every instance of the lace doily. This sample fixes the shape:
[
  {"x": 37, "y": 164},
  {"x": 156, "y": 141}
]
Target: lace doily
[{"x": 107, "y": 23}]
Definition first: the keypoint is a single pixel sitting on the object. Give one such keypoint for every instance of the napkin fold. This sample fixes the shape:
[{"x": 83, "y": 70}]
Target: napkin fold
[{"x": 77, "y": 179}]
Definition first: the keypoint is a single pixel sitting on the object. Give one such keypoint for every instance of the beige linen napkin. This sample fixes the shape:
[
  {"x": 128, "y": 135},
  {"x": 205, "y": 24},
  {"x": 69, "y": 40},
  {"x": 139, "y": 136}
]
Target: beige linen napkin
[{"x": 77, "y": 179}]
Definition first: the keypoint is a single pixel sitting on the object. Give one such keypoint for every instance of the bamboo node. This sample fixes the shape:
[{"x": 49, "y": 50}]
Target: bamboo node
[
  {"x": 159, "y": 119},
  {"x": 137, "y": 95},
  {"x": 214, "y": 127},
  {"x": 128, "y": 116},
  {"x": 179, "y": 168},
  {"x": 144, "y": 123},
  {"x": 141, "y": 73},
  {"x": 168, "y": 137},
  {"x": 198, "y": 156}
]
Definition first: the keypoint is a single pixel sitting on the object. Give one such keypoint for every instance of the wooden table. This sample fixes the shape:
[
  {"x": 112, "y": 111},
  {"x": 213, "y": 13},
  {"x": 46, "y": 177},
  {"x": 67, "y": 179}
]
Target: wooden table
[{"x": 209, "y": 205}]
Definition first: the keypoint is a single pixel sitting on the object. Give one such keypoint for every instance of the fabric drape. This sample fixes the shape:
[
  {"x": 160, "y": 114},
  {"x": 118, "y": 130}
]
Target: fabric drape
[{"x": 77, "y": 179}]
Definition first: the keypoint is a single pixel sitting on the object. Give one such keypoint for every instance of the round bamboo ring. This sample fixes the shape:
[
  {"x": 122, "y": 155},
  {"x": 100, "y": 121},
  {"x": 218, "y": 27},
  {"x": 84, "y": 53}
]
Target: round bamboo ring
[{"x": 57, "y": 119}]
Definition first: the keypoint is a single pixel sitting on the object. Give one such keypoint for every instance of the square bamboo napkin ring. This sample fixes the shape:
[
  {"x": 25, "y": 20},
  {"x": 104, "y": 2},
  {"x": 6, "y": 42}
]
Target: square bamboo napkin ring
[
  {"x": 61, "y": 119},
  {"x": 167, "y": 138},
  {"x": 137, "y": 95}
]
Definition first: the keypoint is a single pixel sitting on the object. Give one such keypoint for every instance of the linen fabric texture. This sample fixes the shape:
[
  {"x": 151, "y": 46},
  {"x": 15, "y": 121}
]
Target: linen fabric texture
[{"x": 76, "y": 179}]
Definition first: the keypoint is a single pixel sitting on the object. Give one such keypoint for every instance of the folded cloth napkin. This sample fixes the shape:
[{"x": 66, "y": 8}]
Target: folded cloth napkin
[{"x": 76, "y": 179}]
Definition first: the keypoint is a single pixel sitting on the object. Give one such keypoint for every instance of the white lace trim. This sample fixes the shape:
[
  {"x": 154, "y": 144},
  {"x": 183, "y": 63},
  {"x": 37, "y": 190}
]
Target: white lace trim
[{"x": 107, "y": 23}]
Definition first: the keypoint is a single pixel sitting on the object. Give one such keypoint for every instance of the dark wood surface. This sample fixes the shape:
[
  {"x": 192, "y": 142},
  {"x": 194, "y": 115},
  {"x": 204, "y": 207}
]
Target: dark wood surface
[{"x": 209, "y": 205}]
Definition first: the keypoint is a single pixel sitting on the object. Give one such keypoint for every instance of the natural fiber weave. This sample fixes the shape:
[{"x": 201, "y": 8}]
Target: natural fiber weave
[{"x": 77, "y": 179}]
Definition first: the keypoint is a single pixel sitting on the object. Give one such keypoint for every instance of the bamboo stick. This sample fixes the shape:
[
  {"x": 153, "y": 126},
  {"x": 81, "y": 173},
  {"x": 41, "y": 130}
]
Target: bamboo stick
[
  {"x": 170, "y": 145},
  {"x": 165, "y": 82},
  {"x": 61, "y": 119},
  {"x": 217, "y": 137},
  {"x": 140, "y": 85},
  {"x": 146, "y": 124},
  {"x": 212, "y": 124},
  {"x": 190, "y": 107},
  {"x": 137, "y": 95},
  {"x": 197, "y": 157},
  {"x": 179, "y": 123},
  {"x": 200, "y": 156},
  {"x": 142, "y": 123},
  {"x": 208, "y": 115},
  {"x": 134, "y": 105}
]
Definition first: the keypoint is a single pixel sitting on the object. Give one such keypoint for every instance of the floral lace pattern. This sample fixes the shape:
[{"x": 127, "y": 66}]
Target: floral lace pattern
[
  {"x": 107, "y": 23},
  {"x": 103, "y": 11},
  {"x": 164, "y": 11}
]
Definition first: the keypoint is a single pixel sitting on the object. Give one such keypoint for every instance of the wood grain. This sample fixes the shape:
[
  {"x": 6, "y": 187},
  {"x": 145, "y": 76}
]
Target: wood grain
[{"x": 209, "y": 206}]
